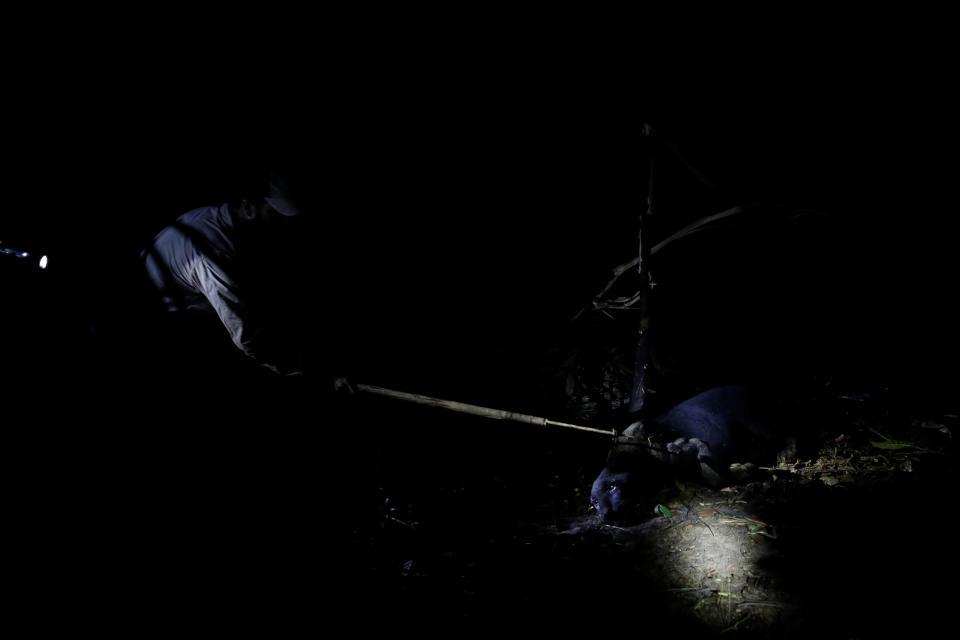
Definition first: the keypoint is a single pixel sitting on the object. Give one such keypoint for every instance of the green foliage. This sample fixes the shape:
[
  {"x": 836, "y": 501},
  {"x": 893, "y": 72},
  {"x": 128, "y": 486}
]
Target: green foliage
[
  {"x": 893, "y": 446},
  {"x": 759, "y": 529}
]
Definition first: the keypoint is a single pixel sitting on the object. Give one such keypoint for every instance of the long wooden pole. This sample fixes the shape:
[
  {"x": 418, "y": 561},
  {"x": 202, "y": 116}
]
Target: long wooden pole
[{"x": 461, "y": 407}]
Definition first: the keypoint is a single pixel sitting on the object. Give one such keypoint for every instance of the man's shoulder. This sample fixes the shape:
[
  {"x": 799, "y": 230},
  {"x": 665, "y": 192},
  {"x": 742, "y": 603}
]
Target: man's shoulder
[
  {"x": 189, "y": 230},
  {"x": 211, "y": 215},
  {"x": 209, "y": 232}
]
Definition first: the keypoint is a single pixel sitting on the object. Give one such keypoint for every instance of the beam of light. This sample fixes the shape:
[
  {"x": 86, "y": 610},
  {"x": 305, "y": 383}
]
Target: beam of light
[
  {"x": 707, "y": 553},
  {"x": 41, "y": 263}
]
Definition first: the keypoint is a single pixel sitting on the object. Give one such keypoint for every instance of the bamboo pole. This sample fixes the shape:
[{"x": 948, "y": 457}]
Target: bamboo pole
[{"x": 461, "y": 407}]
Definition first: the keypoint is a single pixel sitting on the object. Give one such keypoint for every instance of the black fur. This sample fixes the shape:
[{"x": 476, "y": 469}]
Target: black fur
[{"x": 700, "y": 439}]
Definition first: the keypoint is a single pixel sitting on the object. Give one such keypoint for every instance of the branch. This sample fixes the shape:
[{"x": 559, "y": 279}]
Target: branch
[
  {"x": 672, "y": 148},
  {"x": 696, "y": 226},
  {"x": 626, "y": 302}
]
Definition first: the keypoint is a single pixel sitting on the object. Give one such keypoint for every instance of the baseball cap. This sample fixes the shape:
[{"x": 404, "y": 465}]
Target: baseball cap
[{"x": 280, "y": 195}]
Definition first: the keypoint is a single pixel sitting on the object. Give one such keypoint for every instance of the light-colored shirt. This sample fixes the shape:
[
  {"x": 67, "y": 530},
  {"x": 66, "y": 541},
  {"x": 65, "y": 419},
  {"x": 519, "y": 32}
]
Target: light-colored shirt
[{"x": 192, "y": 263}]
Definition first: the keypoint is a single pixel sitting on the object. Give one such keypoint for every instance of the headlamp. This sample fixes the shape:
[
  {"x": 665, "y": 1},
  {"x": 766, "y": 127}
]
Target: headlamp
[{"x": 40, "y": 261}]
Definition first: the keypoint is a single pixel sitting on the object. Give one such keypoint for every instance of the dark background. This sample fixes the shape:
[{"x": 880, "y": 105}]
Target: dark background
[
  {"x": 472, "y": 203},
  {"x": 473, "y": 190}
]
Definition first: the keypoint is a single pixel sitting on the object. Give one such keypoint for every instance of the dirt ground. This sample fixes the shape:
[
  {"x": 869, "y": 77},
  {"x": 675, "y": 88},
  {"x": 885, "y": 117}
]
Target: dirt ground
[
  {"x": 418, "y": 520},
  {"x": 850, "y": 543}
]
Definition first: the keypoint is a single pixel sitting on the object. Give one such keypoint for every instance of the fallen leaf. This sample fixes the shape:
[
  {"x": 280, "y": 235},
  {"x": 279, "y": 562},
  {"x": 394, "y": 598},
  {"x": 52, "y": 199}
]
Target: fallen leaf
[{"x": 894, "y": 446}]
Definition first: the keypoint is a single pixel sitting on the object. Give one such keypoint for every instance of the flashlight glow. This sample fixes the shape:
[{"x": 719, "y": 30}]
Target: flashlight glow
[{"x": 41, "y": 263}]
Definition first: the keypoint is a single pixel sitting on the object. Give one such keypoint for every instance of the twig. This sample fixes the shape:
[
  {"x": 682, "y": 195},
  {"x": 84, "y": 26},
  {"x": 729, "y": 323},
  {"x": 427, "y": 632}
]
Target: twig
[
  {"x": 699, "y": 225},
  {"x": 702, "y": 521},
  {"x": 399, "y": 521},
  {"x": 599, "y": 303},
  {"x": 696, "y": 226},
  {"x": 726, "y": 518},
  {"x": 672, "y": 148},
  {"x": 736, "y": 625}
]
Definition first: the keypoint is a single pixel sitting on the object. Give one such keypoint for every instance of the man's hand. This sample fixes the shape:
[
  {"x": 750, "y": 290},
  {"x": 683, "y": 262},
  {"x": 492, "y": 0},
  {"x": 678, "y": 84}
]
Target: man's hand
[{"x": 341, "y": 384}]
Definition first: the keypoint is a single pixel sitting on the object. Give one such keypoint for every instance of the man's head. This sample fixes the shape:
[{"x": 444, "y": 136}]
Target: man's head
[
  {"x": 270, "y": 202},
  {"x": 259, "y": 214}
]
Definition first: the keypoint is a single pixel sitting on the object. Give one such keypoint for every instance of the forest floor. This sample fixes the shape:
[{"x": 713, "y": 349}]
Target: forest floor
[
  {"x": 411, "y": 519},
  {"x": 852, "y": 542}
]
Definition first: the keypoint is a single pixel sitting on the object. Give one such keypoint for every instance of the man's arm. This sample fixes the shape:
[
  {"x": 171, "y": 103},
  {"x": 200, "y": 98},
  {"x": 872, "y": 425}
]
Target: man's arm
[{"x": 231, "y": 305}]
